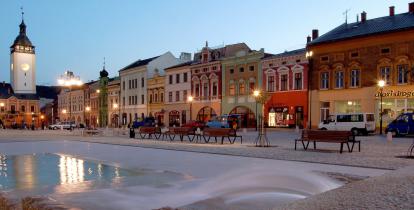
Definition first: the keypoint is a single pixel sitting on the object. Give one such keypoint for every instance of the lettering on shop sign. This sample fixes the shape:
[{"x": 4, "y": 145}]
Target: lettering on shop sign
[{"x": 392, "y": 93}]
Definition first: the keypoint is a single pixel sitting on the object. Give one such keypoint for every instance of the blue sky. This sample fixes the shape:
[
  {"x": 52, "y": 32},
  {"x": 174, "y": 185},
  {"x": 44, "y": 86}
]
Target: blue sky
[{"x": 75, "y": 35}]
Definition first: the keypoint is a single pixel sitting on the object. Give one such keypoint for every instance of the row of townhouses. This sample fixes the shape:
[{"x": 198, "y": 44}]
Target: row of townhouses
[{"x": 337, "y": 72}]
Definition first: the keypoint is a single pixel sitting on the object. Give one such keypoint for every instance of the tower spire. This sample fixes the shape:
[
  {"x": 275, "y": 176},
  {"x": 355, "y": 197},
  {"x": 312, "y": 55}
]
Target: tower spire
[
  {"x": 21, "y": 8},
  {"x": 104, "y": 63}
]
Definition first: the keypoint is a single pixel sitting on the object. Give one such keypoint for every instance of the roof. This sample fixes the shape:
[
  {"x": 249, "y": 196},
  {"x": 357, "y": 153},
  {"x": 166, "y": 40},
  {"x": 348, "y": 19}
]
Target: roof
[
  {"x": 379, "y": 25},
  {"x": 50, "y": 92},
  {"x": 22, "y": 38},
  {"x": 286, "y": 53},
  {"x": 139, "y": 63},
  {"x": 221, "y": 52},
  {"x": 6, "y": 91},
  {"x": 180, "y": 65}
]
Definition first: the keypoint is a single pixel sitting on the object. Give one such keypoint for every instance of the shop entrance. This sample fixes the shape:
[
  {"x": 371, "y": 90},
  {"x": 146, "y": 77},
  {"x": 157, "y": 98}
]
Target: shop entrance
[
  {"x": 205, "y": 114},
  {"x": 174, "y": 118}
]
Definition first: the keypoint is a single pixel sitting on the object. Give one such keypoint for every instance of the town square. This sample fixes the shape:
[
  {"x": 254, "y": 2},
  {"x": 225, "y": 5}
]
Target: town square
[{"x": 184, "y": 105}]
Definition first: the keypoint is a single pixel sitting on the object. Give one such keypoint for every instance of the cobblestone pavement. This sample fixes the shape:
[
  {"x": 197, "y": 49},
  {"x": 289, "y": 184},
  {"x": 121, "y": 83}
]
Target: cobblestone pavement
[{"x": 394, "y": 190}]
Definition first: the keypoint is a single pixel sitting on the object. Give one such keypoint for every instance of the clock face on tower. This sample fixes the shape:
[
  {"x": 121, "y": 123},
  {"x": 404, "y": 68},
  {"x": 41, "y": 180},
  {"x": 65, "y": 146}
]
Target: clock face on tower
[{"x": 25, "y": 67}]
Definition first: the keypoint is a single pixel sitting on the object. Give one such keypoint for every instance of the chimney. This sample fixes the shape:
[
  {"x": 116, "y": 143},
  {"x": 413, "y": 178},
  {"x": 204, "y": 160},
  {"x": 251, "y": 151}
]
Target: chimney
[
  {"x": 411, "y": 7},
  {"x": 308, "y": 39},
  {"x": 363, "y": 17},
  {"x": 392, "y": 10},
  {"x": 315, "y": 34}
]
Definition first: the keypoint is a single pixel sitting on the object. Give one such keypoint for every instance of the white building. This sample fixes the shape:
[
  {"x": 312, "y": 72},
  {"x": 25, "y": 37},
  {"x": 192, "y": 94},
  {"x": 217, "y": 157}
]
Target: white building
[{"x": 134, "y": 84}]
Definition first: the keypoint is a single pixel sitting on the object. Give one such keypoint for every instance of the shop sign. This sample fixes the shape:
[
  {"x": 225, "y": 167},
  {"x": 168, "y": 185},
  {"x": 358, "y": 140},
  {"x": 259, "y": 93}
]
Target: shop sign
[{"x": 396, "y": 94}]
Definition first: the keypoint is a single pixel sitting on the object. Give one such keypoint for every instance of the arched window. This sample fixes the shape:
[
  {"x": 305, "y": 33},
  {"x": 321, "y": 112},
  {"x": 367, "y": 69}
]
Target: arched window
[
  {"x": 232, "y": 90},
  {"x": 242, "y": 87}
]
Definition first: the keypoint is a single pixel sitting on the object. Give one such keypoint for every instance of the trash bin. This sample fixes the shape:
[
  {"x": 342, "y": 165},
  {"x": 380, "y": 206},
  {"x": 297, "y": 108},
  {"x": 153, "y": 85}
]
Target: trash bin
[{"x": 131, "y": 133}]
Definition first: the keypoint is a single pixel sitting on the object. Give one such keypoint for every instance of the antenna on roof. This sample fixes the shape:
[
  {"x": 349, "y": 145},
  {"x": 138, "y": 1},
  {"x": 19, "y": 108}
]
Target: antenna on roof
[
  {"x": 346, "y": 15},
  {"x": 21, "y": 8},
  {"x": 104, "y": 63}
]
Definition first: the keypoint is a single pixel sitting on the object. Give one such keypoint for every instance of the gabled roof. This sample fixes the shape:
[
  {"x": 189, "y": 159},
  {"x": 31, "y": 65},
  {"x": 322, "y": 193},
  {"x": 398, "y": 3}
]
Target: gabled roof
[
  {"x": 286, "y": 53},
  {"x": 379, "y": 25},
  {"x": 222, "y": 52},
  {"x": 139, "y": 63}
]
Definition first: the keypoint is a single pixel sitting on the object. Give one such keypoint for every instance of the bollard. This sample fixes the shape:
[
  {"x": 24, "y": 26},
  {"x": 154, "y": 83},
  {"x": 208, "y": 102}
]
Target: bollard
[
  {"x": 389, "y": 136},
  {"x": 131, "y": 133},
  {"x": 297, "y": 129}
]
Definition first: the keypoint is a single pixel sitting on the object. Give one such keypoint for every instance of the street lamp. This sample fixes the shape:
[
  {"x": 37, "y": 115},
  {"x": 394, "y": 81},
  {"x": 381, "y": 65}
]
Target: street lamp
[
  {"x": 68, "y": 79},
  {"x": 309, "y": 55},
  {"x": 88, "y": 109},
  {"x": 381, "y": 85},
  {"x": 190, "y": 99},
  {"x": 256, "y": 94}
]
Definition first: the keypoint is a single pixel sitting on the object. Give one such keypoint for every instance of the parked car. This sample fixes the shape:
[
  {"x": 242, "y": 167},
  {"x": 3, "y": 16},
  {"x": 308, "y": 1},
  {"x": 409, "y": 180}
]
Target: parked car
[
  {"x": 402, "y": 125},
  {"x": 218, "y": 122},
  {"x": 148, "y": 121},
  {"x": 194, "y": 124},
  {"x": 357, "y": 123},
  {"x": 62, "y": 125}
]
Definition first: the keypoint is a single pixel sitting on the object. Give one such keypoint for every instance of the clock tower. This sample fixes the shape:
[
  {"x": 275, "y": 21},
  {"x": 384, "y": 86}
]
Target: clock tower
[{"x": 23, "y": 63}]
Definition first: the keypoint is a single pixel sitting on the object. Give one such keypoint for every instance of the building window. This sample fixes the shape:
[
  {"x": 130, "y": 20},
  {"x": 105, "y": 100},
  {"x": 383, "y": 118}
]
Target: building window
[
  {"x": 215, "y": 88},
  {"x": 252, "y": 85},
  {"x": 123, "y": 101},
  {"x": 205, "y": 69},
  {"x": 135, "y": 83},
  {"x": 242, "y": 88},
  {"x": 23, "y": 109},
  {"x": 251, "y": 68},
  {"x": 339, "y": 79},
  {"x": 170, "y": 79},
  {"x": 355, "y": 78},
  {"x": 385, "y": 50},
  {"x": 197, "y": 90},
  {"x": 324, "y": 80},
  {"x": 32, "y": 109},
  {"x": 241, "y": 69},
  {"x": 385, "y": 74},
  {"x": 205, "y": 90},
  {"x": 150, "y": 99},
  {"x": 169, "y": 96},
  {"x": 185, "y": 77},
  {"x": 232, "y": 89},
  {"x": 177, "y": 78},
  {"x": 177, "y": 95},
  {"x": 155, "y": 98},
  {"x": 185, "y": 95},
  {"x": 231, "y": 71},
  {"x": 283, "y": 82},
  {"x": 142, "y": 82},
  {"x": 271, "y": 83},
  {"x": 298, "y": 81},
  {"x": 402, "y": 74},
  {"x": 129, "y": 84},
  {"x": 142, "y": 99},
  {"x": 162, "y": 97},
  {"x": 214, "y": 68},
  {"x": 123, "y": 85},
  {"x": 354, "y": 55},
  {"x": 325, "y": 58}
]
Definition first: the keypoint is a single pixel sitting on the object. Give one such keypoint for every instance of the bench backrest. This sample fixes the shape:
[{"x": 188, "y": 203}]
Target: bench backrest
[
  {"x": 325, "y": 135},
  {"x": 218, "y": 132},
  {"x": 145, "y": 129},
  {"x": 181, "y": 130}
]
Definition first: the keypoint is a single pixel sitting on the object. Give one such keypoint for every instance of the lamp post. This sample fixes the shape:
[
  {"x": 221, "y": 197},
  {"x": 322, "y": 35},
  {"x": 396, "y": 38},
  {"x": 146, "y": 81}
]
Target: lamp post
[
  {"x": 309, "y": 55},
  {"x": 115, "y": 107},
  {"x": 256, "y": 94},
  {"x": 261, "y": 139},
  {"x": 88, "y": 110},
  {"x": 381, "y": 85},
  {"x": 68, "y": 79},
  {"x": 190, "y": 99}
]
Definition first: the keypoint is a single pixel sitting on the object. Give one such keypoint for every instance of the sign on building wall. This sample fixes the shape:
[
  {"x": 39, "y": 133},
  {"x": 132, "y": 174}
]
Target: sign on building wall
[{"x": 395, "y": 94}]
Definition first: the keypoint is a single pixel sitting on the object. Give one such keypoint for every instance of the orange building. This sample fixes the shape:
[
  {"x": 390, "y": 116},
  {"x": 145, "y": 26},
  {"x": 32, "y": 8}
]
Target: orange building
[{"x": 285, "y": 80}]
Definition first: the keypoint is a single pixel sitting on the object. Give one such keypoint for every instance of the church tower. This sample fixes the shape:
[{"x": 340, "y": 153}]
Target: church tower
[{"x": 23, "y": 63}]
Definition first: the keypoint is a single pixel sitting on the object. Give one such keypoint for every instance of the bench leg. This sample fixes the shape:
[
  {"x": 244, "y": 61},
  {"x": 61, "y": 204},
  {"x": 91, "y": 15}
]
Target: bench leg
[
  {"x": 359, "y": 146},
  {"x": 296, "y": 141},
  {"x": 314, "y": 145},
  {"x": 307, "y": 145},
  {"x": 342, "y": 147},
  {"x": 347, "y": 144}
]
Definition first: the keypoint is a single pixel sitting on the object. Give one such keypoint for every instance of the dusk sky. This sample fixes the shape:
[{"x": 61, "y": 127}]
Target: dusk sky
[{"x": 75, "y": 35}]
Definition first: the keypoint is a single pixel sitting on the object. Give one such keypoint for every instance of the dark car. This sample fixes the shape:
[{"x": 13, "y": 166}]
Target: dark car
[
  {"x": 148, "y": 121},
  {"x": 403, "y": 125}
]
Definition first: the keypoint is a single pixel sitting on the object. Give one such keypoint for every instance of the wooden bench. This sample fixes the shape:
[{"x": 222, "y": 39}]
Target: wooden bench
[
  {"x": 341, "y": 137},
  {"x": 228, "y": 133},
  {"x": 181, "y": 132},
  {"x": 92, "y": 132},
  {"x": 145, "y": 131}
]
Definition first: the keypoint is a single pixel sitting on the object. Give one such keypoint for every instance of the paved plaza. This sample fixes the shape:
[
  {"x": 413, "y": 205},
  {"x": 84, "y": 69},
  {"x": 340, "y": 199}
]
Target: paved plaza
[{"x": 390, "y": 191}]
